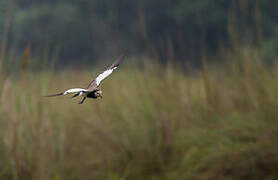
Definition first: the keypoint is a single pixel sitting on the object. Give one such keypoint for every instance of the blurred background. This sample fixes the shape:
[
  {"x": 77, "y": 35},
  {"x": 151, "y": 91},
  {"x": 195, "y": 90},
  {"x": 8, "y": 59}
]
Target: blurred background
[
  {"x": 179, "y": 30},
  {"x": 196, "y": 97}
]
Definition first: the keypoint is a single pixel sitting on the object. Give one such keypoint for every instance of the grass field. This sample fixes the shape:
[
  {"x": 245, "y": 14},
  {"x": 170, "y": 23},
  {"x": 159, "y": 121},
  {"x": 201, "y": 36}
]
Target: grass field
[{"x": 153, "y": 123}]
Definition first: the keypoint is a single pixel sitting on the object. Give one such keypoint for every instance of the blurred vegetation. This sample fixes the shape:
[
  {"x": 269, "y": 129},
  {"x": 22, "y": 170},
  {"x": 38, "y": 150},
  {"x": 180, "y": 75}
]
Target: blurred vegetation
[
  {"x": 168, "y": 30},
  {"x": 153, "y": 123}
]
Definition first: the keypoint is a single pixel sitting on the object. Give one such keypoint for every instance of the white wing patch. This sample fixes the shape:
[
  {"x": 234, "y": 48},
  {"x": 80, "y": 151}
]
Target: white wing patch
[
  {"x": 75, "y": 90},
  {"x": 104, "y": 75}
]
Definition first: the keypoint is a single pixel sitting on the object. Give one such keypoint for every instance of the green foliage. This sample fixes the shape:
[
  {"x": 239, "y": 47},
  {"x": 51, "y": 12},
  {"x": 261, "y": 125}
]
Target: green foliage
[
  {"x": 50, "y": 24},
  {"x": 165, "y": 29}
]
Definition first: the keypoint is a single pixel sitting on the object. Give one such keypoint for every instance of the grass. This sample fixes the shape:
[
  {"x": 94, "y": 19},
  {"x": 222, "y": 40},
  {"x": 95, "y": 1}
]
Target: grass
[{"x": 153, "y": 123}]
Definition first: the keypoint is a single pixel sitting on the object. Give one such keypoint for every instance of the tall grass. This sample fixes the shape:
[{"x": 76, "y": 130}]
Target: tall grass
[{"x": 151, "y": 124}]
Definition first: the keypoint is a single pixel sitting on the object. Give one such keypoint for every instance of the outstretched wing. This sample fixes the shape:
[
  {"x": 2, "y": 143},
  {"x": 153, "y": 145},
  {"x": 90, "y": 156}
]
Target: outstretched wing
[
  {"x": 70, "y": 91},
  {"x": 96, "y": 82}
]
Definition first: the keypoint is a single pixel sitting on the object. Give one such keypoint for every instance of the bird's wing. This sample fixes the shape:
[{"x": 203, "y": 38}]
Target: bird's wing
[
  {"x": 96, "y": 82},
  {"x": 70, "y": 91}
]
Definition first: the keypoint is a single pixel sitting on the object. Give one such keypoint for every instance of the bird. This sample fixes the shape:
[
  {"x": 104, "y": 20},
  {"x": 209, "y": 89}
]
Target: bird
[{"x": 92, "y": 91}]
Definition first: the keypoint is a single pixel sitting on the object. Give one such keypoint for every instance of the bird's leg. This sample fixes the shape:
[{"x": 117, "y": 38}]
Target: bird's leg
[
  {"x": 82, "y": 100},
  {"x": 75, "y": 95}
]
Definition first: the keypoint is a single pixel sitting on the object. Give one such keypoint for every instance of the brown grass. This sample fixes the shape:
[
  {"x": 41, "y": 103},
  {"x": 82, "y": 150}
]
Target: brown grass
[{"x": 149, "y": 125}]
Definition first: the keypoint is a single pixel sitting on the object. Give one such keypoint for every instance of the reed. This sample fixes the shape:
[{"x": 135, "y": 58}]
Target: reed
[{"x": 151, "y": 124}]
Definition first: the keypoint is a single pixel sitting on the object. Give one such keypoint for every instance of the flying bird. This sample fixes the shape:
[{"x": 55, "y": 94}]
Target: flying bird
[{"x": 92, "y": 91}]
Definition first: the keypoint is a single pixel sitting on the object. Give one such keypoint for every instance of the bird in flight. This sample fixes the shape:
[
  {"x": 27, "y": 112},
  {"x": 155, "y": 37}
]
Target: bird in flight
[{"x": 92, "y": 90}]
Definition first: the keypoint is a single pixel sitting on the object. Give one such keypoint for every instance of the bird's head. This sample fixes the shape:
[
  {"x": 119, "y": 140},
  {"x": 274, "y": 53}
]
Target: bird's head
[{"x": 98, "y": 93}]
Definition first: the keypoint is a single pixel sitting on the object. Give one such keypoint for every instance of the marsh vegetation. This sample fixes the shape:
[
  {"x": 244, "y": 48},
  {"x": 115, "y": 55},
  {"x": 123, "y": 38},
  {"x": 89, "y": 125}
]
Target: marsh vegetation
[{"x": 153, "y": 123}]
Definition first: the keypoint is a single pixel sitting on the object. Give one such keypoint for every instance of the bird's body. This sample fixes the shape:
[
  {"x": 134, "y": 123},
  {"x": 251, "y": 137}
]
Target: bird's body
[
  {"x": 92, "y": 90},
  {"x": 92, "y": 95}
]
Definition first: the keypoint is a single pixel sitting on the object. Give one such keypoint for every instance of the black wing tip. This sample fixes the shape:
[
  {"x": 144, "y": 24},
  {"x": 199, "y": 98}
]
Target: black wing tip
[
  {"x": 124, "y": 53},
  {"x": 54, "y": 95},
  {"x": 119, "y": 60}
]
